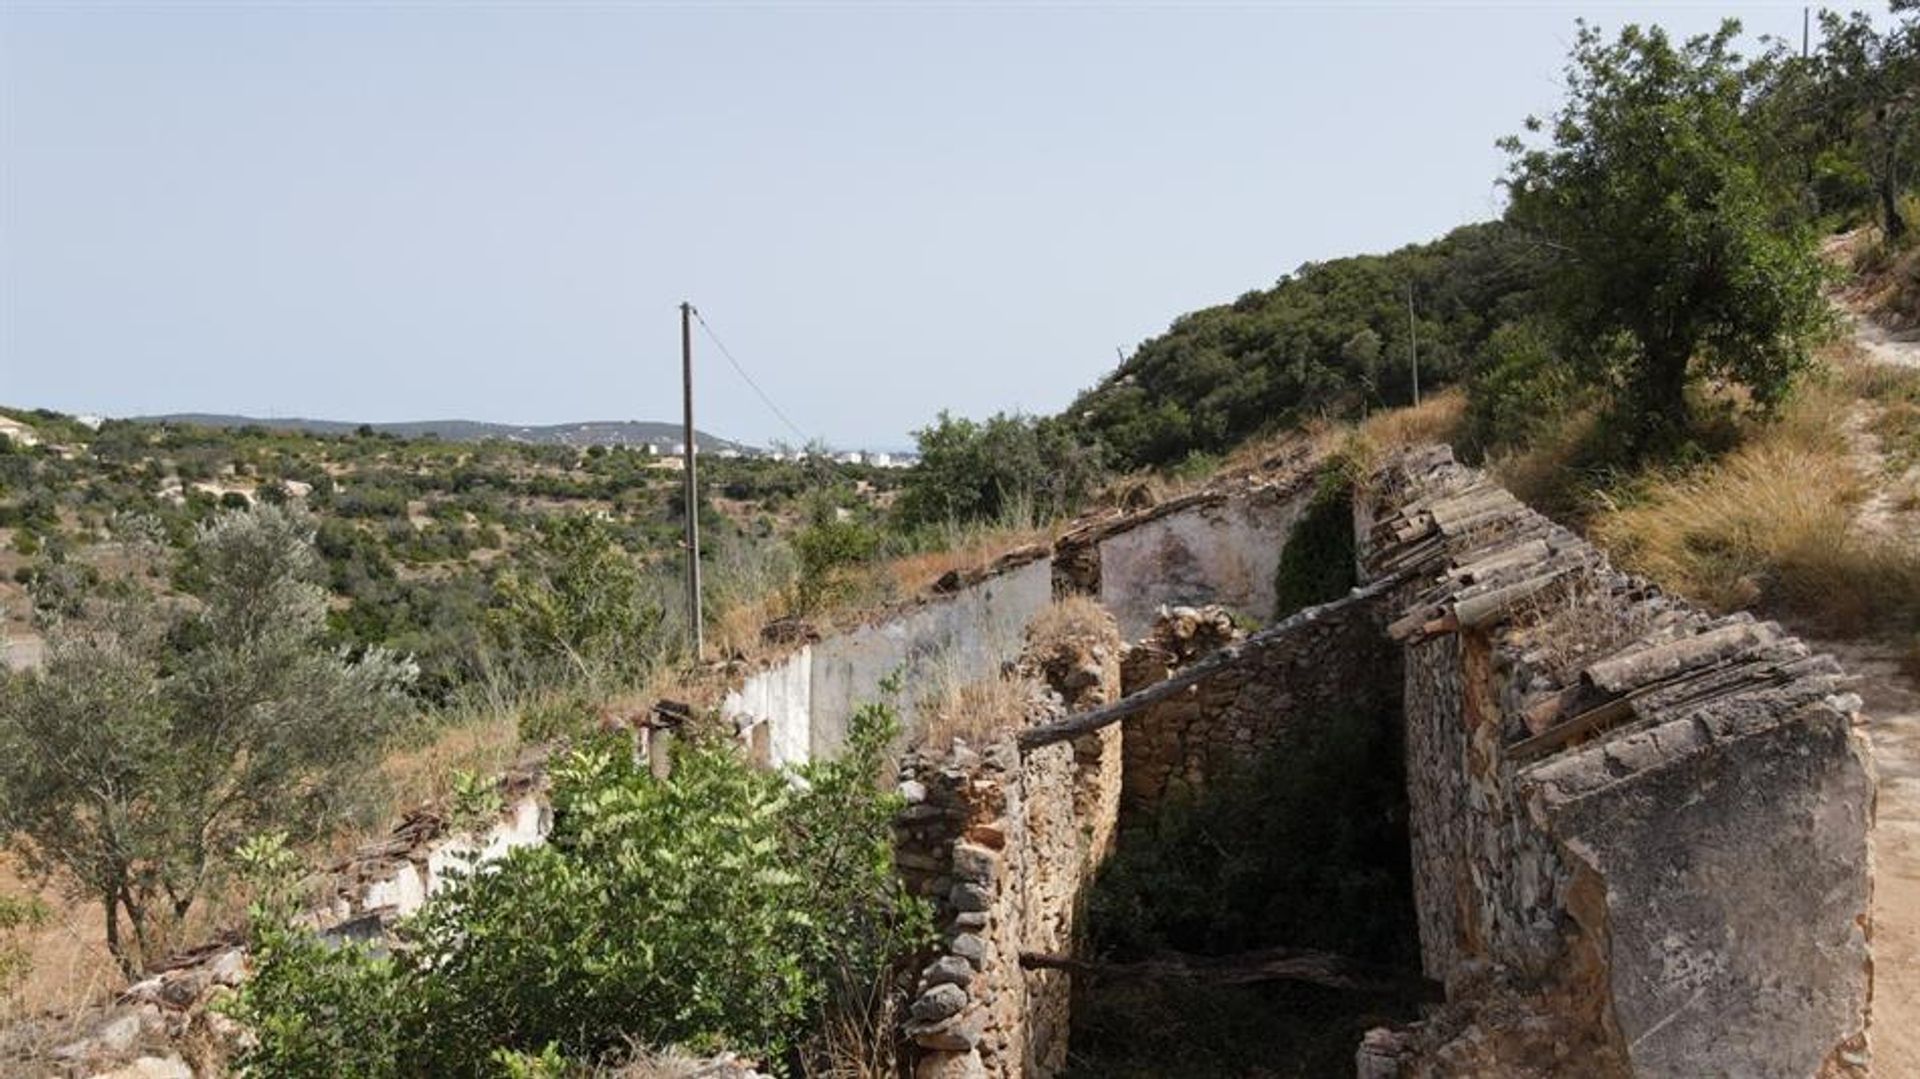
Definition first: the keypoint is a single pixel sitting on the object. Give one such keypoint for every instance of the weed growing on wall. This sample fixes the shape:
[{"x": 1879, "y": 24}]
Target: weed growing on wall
[{"x": 1317, "y": 564}]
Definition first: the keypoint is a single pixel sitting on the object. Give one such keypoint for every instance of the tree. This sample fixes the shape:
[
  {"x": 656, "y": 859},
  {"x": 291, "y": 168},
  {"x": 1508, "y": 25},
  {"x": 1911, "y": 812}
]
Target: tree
[
  {"x": 1007, "y": 468},
  {"x": 160, "y": 734},
  {"x": 578, "y": 605},
  {"x": 1669, "y": 249},
  {"x": 1869, "y": 83}
]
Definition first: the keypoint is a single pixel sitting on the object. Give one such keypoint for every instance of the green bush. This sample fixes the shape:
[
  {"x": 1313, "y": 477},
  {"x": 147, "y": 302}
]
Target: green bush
[
  {"x": 1519, "y": 387},
  {"x": 723, "y": 907},
  {"x": 828, "y": 549},
  {"x": 1317, "y": 563},
  {"x": 995, "y": 470}
]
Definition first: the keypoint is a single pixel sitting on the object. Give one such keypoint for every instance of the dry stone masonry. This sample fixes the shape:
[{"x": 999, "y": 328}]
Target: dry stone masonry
[{"x": 1639, "y": 832}]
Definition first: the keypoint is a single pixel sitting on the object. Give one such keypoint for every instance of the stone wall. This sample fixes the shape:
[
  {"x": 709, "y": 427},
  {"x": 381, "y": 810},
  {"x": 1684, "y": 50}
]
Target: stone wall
[
  {"x": 1636, "y": 827},
  {"x": 1004, "y": 845},
  {"x": 1340, "y": 664}
]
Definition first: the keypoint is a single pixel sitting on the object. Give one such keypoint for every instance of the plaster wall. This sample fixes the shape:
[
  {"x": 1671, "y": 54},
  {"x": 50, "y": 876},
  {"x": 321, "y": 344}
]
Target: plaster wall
[{"x": 1224, "y": 553}]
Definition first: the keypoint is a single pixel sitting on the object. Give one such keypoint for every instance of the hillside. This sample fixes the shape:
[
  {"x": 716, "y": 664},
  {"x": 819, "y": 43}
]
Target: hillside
[
  {"x": 662, "y": 436},
  {"x": 1334, "y": 338}
]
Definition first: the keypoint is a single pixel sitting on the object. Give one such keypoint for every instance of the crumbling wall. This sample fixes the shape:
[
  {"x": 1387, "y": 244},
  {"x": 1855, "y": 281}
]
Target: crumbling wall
[
  {"x": 1335, "y": 665},
  {"x": 804, "y": 700},
  {"x": 1005, "y": 845},
  {"x": 1221, "y": 549},
  {"x": 1635, "y": 826},
  {"x": 964, "y": 637}
]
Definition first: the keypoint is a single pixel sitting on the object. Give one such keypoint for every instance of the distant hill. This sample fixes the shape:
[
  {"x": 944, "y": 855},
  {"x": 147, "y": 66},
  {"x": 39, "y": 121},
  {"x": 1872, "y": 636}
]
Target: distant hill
[{"x": 590, "y": 433}]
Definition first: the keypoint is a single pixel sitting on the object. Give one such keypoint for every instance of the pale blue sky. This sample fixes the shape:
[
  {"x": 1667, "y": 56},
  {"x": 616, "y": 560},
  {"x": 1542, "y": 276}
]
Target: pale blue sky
[{"x": 413, "y": 211}]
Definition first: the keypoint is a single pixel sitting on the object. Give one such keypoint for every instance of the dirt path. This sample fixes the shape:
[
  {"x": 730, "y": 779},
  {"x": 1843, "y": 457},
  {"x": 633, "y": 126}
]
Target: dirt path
[
  {"x": 1892, "y": 707},
  {"x": 1891, "y": 699},
  {"x": 1886, "y": 346}
]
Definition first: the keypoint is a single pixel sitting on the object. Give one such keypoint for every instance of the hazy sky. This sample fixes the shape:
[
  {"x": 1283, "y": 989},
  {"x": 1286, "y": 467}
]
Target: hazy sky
[{"x": 414, "y": 211}]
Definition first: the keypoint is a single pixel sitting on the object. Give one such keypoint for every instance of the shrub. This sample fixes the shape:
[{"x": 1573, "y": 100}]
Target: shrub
[
  {"x": 1317, "y": 565},
  {"x": 155, "y": 736},
  {"x": 722, "y": 907},
  {"x": 829, "y": 549},
  {"x": 1304, "y": 847}
]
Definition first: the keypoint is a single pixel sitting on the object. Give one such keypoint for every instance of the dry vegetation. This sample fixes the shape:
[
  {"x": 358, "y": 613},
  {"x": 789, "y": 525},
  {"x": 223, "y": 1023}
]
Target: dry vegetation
[
  {"x": 1777, "y": 522},
  {"x": 1439, "y": 418}
]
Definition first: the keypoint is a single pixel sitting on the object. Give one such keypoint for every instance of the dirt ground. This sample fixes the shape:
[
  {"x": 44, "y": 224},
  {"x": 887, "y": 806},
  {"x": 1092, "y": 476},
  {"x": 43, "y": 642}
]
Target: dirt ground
[{"x": 1892, "y": 707}]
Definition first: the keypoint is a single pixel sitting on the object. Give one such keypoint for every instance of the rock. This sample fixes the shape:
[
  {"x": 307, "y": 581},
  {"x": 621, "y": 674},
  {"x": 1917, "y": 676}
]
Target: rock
[
  {"x": 954, "y": 1035},
  {"x": 913, "y": 791},
  {"x": 184, "y": 988},
  {"x": 229, "y": 967},
  {"x": 970, "y": 919},
  {"x": 991, "y": 836},
  {"x": 971, "y": 948},
  {"x": 119, "y": 1035},
  {"x": 959, "y": 1064},
  {"x": 167, "y": 1067},
  {"x": 975, "y": 864},
  {"x": 966, "y": 897},
  {"x": 948, "y": 969},
  {"x": 940, "y": 1002}
]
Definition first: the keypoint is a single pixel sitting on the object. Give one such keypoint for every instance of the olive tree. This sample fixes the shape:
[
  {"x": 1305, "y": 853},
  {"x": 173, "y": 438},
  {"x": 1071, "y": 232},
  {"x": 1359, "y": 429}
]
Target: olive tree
[
  {"x": 161, "y": 732},
  {"x": 1671, "y": 258}
]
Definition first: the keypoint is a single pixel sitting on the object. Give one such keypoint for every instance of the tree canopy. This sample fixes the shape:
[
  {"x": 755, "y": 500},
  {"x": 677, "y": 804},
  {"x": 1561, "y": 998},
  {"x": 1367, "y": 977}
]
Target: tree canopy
[
  {"x": 160, "y": 735},
  {"x": 1668, "y": 247}
]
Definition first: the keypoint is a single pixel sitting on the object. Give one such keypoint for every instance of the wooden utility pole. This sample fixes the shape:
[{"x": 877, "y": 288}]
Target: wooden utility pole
[
  {"x": 1413, "y": 345},
  {"x": 693, "y": 488}
]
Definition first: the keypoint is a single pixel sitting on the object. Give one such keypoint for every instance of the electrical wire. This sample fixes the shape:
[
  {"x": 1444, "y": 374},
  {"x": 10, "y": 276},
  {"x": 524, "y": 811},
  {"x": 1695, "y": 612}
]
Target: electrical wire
[{"x": 741, "y": 370}]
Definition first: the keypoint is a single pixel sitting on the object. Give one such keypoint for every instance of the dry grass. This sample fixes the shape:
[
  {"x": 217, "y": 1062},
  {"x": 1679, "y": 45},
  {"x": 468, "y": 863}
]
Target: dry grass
[
  {"x": 965, "y": 550},
  {"x": 973, "y": 711},
  {"x": 1439, "y": 418},
  {"x": 69, "y": 965},
  {"x": 484, "y": 744},
  {"x": 1771, "y": 523},
  {"x": 1886, "y": 279},
  {"x": 1076, "y": 618}
]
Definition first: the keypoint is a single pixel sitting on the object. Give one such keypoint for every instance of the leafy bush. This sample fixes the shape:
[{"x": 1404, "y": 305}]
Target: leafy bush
[
  {"x": 993, "y": 469},
  {"x": 1519, "y": 388},
  {"x": 828, "y": 549},
  {"x": 721, "y": 907},
  {"x": 579, "y": 606},
  {"x": 1317, "y": 565}
]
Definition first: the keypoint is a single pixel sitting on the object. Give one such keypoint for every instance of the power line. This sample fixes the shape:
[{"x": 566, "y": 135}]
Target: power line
[{"x": 742, "y": 372}]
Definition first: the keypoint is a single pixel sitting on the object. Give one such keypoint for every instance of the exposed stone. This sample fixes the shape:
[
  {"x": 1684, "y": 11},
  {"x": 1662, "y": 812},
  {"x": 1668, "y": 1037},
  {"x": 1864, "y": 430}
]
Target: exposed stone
[
  {"x": 229, "y": 967},
  {"x": 971, "y": 948},
  {"x": 968, "y": 897},
  {"x": 939, "y": 1002},
  {"x": 961, "y": 1064},
  {"x": 975, "y": 864},
  {"x": 948, "y": 968},
  {"x": 167, "y": 1067}
]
